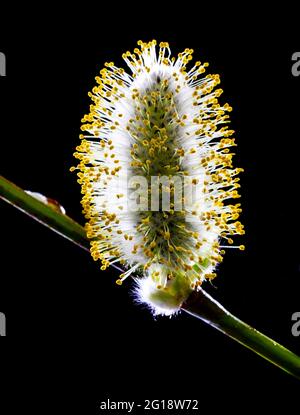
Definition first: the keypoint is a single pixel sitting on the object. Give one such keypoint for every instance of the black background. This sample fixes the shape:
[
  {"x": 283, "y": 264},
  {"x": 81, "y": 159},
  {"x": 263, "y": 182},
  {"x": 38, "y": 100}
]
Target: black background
[{"x": 73, "y": 336}]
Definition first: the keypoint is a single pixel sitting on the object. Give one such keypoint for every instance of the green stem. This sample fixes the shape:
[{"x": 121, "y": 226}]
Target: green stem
[
  {"x": 45, "y": 214},
  {"x": 199, "y": 304},
  {"x": 202, "y": 306}
]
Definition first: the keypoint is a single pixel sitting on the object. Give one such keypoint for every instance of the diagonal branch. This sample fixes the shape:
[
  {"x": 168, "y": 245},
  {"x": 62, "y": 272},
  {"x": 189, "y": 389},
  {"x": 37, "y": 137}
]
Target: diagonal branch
[{"x": 199, "y": 304}]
